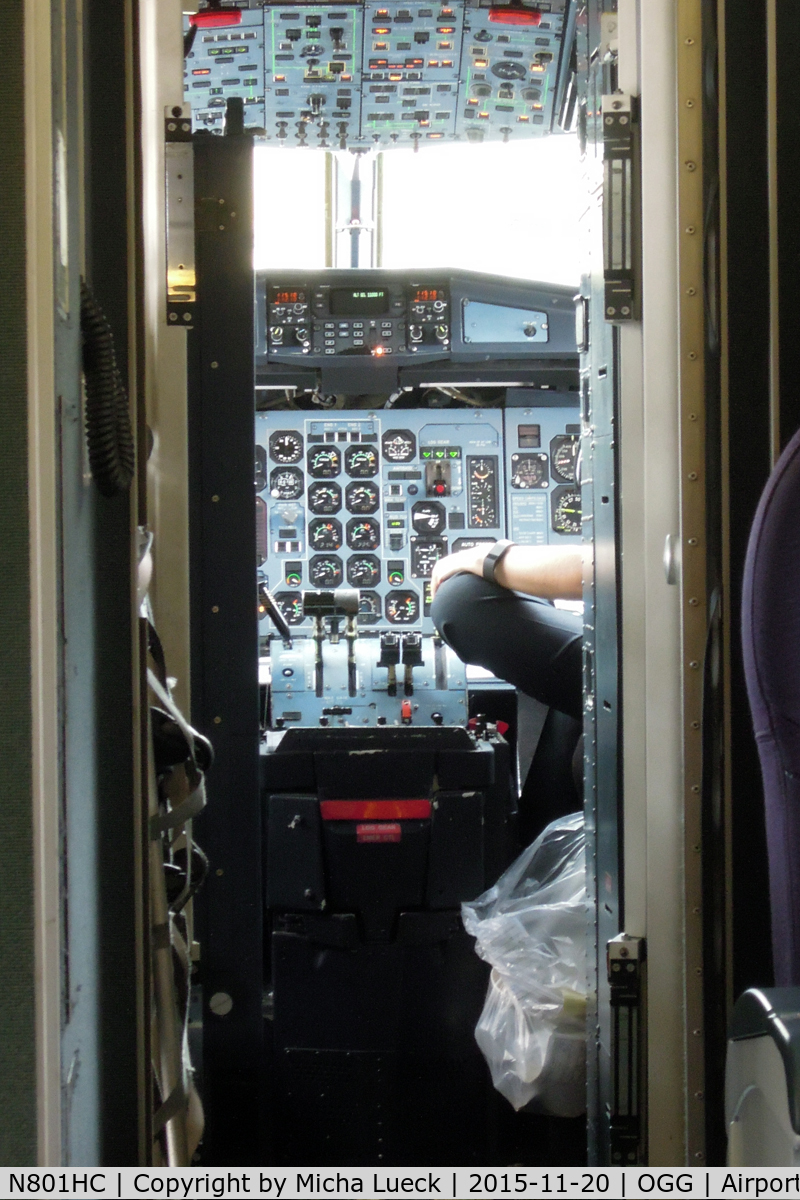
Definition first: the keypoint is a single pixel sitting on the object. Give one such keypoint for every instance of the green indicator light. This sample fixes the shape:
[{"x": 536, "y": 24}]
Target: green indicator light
[
  {"x": 439, "y": 454},
  {"x": 453, "y": 453},
  {"x": 426, "y": 453},
  {"x": 395, "y": 524}
]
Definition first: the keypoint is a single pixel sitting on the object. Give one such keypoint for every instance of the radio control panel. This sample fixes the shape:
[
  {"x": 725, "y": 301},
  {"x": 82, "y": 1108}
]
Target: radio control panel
[{"x": 370, "y": 318}]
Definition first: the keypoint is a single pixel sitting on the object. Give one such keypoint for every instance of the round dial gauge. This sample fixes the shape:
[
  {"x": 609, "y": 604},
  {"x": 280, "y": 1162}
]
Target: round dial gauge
[
  {"x": 399, "y": 445},
  {"x": 325, "y": 570},
  {"x": 325, "y": 535},
  {"x": 285, "y": 446},
  {"x": 402, "y": 608},
  {"x": 529, "y": 470},
  {"x": 291, "y": 605},
  {"x": 324, "y": 462},
  {"x": 286, "y": 483},
  {"x": 324, "y": 498},
  {"x": 369, "y": 607},
  {"x": 363, "y": 534},
  {"x": 362, "y": 498},
  {"x": 564, "y": 456},
  {"x": 428, "y": 516},
  {"x": 363, "y": 571},
  {"x": 361, "y": 462},
  {"x": 566, "y": 510}
]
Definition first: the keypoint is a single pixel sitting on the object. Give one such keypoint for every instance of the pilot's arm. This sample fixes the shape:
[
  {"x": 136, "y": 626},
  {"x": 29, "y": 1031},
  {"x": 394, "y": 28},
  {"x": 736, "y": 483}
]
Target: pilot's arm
[{"x": 551, "y": 572}]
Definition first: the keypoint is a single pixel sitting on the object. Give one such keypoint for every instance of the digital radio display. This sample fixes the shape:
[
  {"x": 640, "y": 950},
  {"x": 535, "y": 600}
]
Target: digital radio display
[
  {"x": 350, "y": 302},
  {"x": 423, "y": 295},
  {"x": 285, "y": 297}
]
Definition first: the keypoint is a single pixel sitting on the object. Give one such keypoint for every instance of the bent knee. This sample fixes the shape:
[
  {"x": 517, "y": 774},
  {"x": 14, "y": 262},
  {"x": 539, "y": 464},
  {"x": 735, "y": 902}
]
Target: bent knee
[{"x": 452, "y": 608}]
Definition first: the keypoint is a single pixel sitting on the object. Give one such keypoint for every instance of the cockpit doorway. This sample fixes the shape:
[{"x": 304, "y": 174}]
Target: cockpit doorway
[{"x": 483, "y": 384}]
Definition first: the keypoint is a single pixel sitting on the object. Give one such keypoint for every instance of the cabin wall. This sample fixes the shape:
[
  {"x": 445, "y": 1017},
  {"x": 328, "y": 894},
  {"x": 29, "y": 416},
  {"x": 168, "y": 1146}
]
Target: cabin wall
[
  {"x": 72, "y": 1045},
  {"x": 18, "y": 1138}
]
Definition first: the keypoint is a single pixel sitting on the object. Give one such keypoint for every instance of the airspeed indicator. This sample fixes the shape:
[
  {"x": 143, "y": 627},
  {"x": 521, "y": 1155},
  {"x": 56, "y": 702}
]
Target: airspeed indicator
[
  {"x": 564, "y": 456},
  {"x": 566, "y": 511}
]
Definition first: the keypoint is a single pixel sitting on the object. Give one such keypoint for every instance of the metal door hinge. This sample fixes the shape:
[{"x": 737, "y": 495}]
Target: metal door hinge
[
  {"x": 625, "y": 959},
  {"x": 621, "y": 208},
  {"x": 179, "y": 192}
]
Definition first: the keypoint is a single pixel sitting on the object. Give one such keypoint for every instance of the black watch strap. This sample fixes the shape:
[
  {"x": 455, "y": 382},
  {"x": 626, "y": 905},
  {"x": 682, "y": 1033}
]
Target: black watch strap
[{"x": 493, "y": 558}]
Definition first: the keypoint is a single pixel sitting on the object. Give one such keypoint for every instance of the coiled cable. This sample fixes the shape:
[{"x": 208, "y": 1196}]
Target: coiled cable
[{"x": 112, "y": 457}]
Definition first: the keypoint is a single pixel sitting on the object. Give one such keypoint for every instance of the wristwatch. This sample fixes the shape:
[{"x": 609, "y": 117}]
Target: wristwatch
[{"x": 493, "y": 558}]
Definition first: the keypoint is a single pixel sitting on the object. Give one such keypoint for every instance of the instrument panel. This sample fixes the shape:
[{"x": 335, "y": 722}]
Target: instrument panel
[
  {"x": 375, "y": 499},
  {"x": 544, "y": 495},
  {"x": 396, "y": 73}
]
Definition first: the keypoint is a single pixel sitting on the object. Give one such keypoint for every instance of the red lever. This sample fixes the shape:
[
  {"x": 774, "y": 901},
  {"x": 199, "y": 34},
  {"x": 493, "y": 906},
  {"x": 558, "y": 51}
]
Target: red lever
[
  {"x": 507, "y": 14},
  {"x": 405, "y": 712},
  {"x": 216, "y": 18}
]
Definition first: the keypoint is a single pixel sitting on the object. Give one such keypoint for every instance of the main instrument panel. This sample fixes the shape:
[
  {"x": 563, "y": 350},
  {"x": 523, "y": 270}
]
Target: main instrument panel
[
  {"x": 391, "y": 73},
  {"x": 372, "y": 500}
]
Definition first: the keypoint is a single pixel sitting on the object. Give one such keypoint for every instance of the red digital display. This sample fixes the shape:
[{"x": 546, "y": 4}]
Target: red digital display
[
  {"x": 285, "y": 297},
  {"x": 424, "y": 294}
]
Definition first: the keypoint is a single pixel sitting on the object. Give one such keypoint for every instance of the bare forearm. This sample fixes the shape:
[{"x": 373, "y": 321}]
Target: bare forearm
[{"x": 552, "y": 572}]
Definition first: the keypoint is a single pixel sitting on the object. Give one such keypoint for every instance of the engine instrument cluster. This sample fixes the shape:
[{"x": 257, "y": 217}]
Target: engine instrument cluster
[{"x": 402, "y": 72}]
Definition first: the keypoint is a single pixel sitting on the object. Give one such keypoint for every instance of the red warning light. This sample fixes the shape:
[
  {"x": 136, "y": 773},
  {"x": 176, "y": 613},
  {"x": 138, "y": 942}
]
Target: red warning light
[
  {"x": 216, "y": 19},
  {"x": 508, "y": 14}
]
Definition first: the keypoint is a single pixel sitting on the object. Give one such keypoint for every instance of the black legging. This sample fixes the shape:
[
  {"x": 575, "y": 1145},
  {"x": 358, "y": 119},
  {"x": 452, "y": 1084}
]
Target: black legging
[{"x": 537, "y": 648}]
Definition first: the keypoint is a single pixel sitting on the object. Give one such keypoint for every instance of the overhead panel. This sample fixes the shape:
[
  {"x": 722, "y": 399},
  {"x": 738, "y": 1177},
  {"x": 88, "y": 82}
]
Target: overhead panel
[
  {"x": 383, "y": 74},
  {"x": 312, "y": 95},
  {"x": 509, "y": 73},
  {"x": 226, "y": 61},
  {"x": 412, "y": 55}
]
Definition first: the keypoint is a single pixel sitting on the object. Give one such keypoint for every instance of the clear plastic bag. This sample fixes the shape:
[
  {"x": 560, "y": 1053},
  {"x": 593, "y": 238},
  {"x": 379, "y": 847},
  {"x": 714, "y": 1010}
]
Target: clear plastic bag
[{"x": 531, "y": 927}]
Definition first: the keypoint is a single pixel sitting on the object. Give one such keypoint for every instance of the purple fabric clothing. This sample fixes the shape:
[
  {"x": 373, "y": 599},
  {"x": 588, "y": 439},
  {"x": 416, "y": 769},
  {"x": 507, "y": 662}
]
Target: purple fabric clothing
[{"x": 771, "y": 642}]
